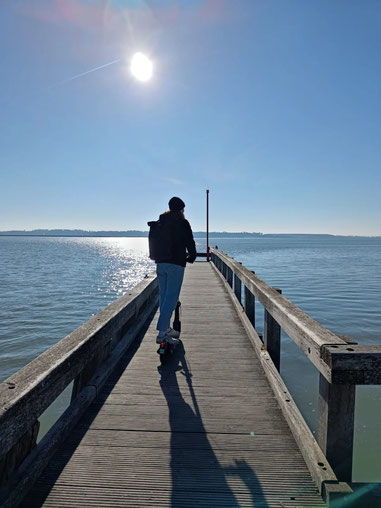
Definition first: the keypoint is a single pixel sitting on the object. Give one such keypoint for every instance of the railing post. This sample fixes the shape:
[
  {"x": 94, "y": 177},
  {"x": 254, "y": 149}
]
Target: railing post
[
  {"x": 87, "y": 373},
  {"x": 19, "y": 451},
  {"x": 271, "y": 337},
  {"x": 336, "y": 426},
  {"x": 238, "y": 288},
  {"x": 250, "y": 305},
  {"x": 230, "y": 277}
]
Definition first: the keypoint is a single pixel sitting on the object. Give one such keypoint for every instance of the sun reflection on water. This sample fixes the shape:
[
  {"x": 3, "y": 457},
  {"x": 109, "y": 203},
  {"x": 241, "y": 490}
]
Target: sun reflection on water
[{"x": 127, "y": 263}]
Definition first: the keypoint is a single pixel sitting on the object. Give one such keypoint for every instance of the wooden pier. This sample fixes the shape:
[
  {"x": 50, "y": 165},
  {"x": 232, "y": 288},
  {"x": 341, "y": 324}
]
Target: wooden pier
[{"x": 214, "y": 426}]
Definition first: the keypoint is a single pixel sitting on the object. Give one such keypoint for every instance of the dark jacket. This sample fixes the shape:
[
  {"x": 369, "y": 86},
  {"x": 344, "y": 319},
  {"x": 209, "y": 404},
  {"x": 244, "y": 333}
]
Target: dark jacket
[{"x": 184, "y": 248}]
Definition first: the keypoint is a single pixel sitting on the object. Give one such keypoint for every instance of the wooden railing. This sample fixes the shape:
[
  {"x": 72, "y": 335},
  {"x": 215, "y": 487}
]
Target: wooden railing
[
  {"x": 86, "y": 356},
  {"x": 342, "y": 363}
]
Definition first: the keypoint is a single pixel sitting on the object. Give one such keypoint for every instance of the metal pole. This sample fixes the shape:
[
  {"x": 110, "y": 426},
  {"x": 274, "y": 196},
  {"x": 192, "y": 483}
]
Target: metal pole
[{"x": 207, "y": 224}]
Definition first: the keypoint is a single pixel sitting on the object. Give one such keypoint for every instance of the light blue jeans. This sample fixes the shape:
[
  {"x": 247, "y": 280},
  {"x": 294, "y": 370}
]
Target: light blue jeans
[{"x": 170, "y": 277}]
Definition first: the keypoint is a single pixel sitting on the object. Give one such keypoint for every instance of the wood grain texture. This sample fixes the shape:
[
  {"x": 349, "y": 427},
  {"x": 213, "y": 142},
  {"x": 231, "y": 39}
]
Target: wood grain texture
[
  {"x": 354, "y": 364},
  {"x": 249, "y": 306},
  {"x": 202, "y": 430},
  {"x": 307, "y": 333},
  {"x": 319, "y": 467},
  {"x": 238, "y": 288},
  {"x": 336, "y": 426},
  {"x": 20, "y": 483},
  {"x": 16, "y": 455},
  {"x": 271, "y": 337},
  {"x": 25, "y": 395}
]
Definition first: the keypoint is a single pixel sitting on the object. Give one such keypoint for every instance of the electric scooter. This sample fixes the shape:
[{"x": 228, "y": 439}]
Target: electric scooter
[{"x": 165, "y": 350}]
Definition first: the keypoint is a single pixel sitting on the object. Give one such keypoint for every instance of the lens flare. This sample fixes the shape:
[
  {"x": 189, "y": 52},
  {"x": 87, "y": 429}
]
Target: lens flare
[{"x": 141, "y": 67}]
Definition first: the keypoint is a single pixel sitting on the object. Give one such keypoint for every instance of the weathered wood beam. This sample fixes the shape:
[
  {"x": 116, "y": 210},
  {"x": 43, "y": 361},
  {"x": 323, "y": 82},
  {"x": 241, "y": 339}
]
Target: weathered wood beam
[
  {"x": 346, "y": 339},
  {"x": 250, "y": 306},
  {"x": 353, "y": 364},
  {"x": 272, "y": 333},
  {"x": 307, "y": 333},
  {"x": 238, "y": 288},
  {"x": 26, "y": 394},
  {"x": 87, "y": 373},
  {"x": 229, "y": 276},
  {"x": 16, "y": 455},
  {"x": 336, "y": 426},
  {"x": 13, "y": 493},
  {"x": 337, "y": 357}
]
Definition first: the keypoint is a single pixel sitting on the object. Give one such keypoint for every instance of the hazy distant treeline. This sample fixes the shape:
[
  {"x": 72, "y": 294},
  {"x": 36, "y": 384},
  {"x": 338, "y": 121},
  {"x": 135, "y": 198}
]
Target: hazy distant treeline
[{"x": 132, "y": 232}]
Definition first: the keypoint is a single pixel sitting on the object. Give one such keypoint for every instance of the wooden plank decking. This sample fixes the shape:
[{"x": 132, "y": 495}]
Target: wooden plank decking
[{"x": 203, "y": 430}]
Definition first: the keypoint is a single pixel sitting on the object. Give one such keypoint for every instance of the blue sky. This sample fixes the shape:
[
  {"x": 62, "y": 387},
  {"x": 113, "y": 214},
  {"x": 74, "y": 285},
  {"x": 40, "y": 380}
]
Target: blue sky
[{"x": 274, "y": 106}]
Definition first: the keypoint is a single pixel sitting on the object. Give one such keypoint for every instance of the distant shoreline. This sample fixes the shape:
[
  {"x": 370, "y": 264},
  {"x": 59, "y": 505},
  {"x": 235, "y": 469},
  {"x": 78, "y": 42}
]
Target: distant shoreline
[
  {"x": 133, "y": 233},
  {"x": 144, "y": 234}
]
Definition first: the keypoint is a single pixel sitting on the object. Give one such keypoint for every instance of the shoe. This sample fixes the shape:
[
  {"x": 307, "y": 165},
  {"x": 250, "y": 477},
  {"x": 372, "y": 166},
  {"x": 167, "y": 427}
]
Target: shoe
[
  {"x": 173, "y": 333},
  {"x": 168, "y": 333},
  {"x": 168, "y": 339}
]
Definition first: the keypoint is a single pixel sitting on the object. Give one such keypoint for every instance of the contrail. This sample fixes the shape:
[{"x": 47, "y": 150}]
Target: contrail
[{"x": 87, "y": 72}]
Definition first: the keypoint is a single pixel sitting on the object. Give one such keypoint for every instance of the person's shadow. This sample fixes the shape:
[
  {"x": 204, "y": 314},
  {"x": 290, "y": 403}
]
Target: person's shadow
[{"x": 198, "y": 479}]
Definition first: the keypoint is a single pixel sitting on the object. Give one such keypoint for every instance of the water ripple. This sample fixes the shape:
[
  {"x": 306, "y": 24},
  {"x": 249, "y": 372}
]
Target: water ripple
[{"x": 50, "y": 286}]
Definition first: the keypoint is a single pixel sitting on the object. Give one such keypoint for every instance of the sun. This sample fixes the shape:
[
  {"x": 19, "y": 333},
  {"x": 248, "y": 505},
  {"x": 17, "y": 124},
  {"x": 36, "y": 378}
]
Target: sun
[{"x": 141, "y": 67}]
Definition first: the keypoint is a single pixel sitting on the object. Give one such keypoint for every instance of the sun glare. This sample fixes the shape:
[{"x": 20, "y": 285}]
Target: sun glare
[{"x": 141, "y": 67}]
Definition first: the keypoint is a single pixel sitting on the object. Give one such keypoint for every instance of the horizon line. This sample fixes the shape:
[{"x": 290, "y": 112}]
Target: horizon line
[{"x": 93, "y": 233}]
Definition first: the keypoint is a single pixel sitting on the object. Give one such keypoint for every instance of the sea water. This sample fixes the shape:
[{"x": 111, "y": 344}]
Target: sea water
[{"x": 49, "y": 286}]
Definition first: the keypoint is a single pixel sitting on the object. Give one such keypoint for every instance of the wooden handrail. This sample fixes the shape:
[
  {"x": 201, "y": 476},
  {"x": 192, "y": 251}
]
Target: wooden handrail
[
  {"x": 331, "y": 355},
  {"x": 307, "y": 333},
  {"x": 27, "y": 393}
]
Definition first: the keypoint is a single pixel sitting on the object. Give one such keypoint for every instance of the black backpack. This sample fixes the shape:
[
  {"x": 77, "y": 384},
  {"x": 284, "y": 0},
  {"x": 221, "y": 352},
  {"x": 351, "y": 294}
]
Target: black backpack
[{"x": 160, "y": 240}]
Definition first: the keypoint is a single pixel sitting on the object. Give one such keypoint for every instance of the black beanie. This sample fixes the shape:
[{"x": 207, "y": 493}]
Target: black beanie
[{"x": 176, "y": 204}]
